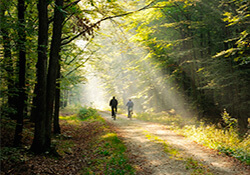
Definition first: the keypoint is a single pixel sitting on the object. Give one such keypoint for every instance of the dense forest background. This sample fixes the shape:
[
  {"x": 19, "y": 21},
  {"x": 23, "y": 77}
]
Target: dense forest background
[{"x": 188, "y": 55}]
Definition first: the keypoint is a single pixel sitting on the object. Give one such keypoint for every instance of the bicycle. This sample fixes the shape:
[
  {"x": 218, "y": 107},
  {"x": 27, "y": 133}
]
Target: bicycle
[
  {"x": 130, "y": 112},
  {"x": 114, "y": 116}
]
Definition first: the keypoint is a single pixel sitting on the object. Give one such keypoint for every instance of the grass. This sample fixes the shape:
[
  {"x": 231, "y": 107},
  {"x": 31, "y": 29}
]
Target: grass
[
  {"x": 225, "y": 140},
  {"x": 110, "y": 156},
  {"x": 196, "y": 166},
  {"x": 108, "y": 152},
  {"x": 167, "y": 148}
]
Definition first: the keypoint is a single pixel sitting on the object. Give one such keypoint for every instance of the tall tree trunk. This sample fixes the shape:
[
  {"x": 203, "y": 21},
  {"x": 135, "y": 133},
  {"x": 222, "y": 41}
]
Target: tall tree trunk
[
  {"x": 65, "y": 98},
  {"x": 22, "y": 66},
  {"x": 53, "y": 67},
  {"x": 39, "y": 136},
  {"x": 57, "y": 129},
  {"x": 34, "y": 104}
]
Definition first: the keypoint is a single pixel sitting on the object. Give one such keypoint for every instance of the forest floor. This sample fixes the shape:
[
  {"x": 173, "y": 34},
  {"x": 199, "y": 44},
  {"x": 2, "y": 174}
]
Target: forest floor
[
  {"x": 96, "y": 147},
  {"x": 157, "y": 150}
]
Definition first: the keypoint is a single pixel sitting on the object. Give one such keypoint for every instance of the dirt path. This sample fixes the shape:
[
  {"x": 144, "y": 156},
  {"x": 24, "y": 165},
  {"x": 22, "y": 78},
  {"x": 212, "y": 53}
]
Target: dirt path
[{"x": 146, "y": 142}]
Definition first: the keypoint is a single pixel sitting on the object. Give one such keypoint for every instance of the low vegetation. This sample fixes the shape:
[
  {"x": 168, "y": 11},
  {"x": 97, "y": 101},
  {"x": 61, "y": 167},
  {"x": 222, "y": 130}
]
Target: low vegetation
[
  {"x": 192, "y": 164},
  {"x": 224, "y": 138},
  {"x": 108, "y": 151},
  {"x": 87, "y": 145}
]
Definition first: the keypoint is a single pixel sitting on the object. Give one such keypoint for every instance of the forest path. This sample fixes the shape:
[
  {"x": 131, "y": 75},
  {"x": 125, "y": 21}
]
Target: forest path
[{"x": 146, "y": 140}]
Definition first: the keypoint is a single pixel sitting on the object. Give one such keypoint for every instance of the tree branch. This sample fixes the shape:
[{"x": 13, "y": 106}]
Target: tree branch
[
  {"x": 81, "y": 64},
  {"x": 106, "y": 18}
]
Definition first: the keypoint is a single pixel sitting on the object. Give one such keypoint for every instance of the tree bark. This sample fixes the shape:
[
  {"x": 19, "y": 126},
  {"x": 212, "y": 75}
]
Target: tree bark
[
  {"x": 39, "y": 136},
  {"x": 57, "y": 129},
  {"x": 22, "y": 67},
  {"x": 53, "y": 67}
]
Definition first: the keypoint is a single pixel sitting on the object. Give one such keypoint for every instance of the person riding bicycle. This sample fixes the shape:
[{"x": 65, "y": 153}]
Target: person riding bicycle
[
  {"x": 130, "y": 106},
  {"x": 113, "y": 103}
]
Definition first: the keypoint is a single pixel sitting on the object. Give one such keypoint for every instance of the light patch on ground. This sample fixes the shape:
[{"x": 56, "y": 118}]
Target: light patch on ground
[{"x": 162, "y": 163}]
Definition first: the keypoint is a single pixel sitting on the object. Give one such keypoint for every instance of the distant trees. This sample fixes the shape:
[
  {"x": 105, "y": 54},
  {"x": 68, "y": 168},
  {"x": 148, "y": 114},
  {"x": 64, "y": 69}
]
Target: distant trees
[
  {"x": 237, "y": 52},
  {"x": 197, "y": 50}
]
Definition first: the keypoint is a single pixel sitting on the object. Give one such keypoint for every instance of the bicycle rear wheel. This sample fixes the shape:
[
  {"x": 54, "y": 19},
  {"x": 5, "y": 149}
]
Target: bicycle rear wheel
[{"x": 130, "y": 115}]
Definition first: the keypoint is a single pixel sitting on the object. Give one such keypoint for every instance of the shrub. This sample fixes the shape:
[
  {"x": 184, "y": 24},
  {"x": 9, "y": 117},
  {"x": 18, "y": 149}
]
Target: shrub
[{"x": 87, "y": 113}]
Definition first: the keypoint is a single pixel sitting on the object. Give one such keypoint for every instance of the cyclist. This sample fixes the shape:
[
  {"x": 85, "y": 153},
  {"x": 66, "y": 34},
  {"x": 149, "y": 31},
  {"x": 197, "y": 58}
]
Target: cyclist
[
  {"x": 130, "y": 106},
  {"x": 113, "y": 103}
]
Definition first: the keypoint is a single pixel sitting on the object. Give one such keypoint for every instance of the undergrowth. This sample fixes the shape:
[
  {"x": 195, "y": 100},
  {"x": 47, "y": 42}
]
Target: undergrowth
[
  {"x": 109, "y": 156},
  {"x": 108, "y": 153},
  {"x": 86, "y": 145},
  {"x": 225, "y": 140}
]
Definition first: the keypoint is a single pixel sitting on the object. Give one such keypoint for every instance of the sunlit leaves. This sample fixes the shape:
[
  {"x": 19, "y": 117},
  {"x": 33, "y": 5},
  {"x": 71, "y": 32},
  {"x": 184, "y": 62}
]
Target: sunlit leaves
[{"x": 238, "y": 18}]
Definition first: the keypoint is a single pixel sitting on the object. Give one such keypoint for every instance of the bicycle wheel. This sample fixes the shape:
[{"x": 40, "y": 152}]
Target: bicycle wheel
[{"x": 130, "y": 115}]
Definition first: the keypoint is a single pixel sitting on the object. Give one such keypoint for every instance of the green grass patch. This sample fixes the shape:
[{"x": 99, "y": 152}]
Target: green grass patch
[
  {"x": 109, "y": 156},
  {"x": 194, "y": 165},
  {"x": 167, "y": 148},
  {"x": 70, "y": 117},
  {"x": 197, "y": 167},
  {"x": 87, "y": 114}
]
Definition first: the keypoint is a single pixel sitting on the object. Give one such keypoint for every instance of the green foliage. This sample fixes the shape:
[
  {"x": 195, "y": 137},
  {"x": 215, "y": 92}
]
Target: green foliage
[
  {"x": 88, "y": 113},
  {"x": 231, "y": 123},
  {"x": 198, "y": 168},
  {"x": 238, "y": 18},
  {"x": 225, "y": 140},
  {"x": 110, "y": 156},
  {"x": 167, "y": 118},
  {"x": 69, "y": 118},
  {"x": 11, "y": 155},
  {"x": 7, "y": 127}
]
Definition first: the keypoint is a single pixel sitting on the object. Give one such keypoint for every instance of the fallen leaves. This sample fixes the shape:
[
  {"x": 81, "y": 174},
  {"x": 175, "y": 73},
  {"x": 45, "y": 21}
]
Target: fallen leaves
[{"x": 73, "y": 146}]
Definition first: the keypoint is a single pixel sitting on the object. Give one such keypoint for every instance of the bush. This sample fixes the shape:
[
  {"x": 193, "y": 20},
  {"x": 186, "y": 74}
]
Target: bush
[{"x": 87, "y": 113}]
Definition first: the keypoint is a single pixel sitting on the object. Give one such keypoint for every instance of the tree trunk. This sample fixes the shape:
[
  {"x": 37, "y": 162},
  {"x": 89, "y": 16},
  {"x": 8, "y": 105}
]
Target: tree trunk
[
  {"x": 39, "y": 136},
  {"x": 53, "y": 67},
  {"x": 22, "y": 66},
  {"x": 34, "y": 104},
  {"x": 65, "y": 98},
  {"x": 57, "y": 129}
]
